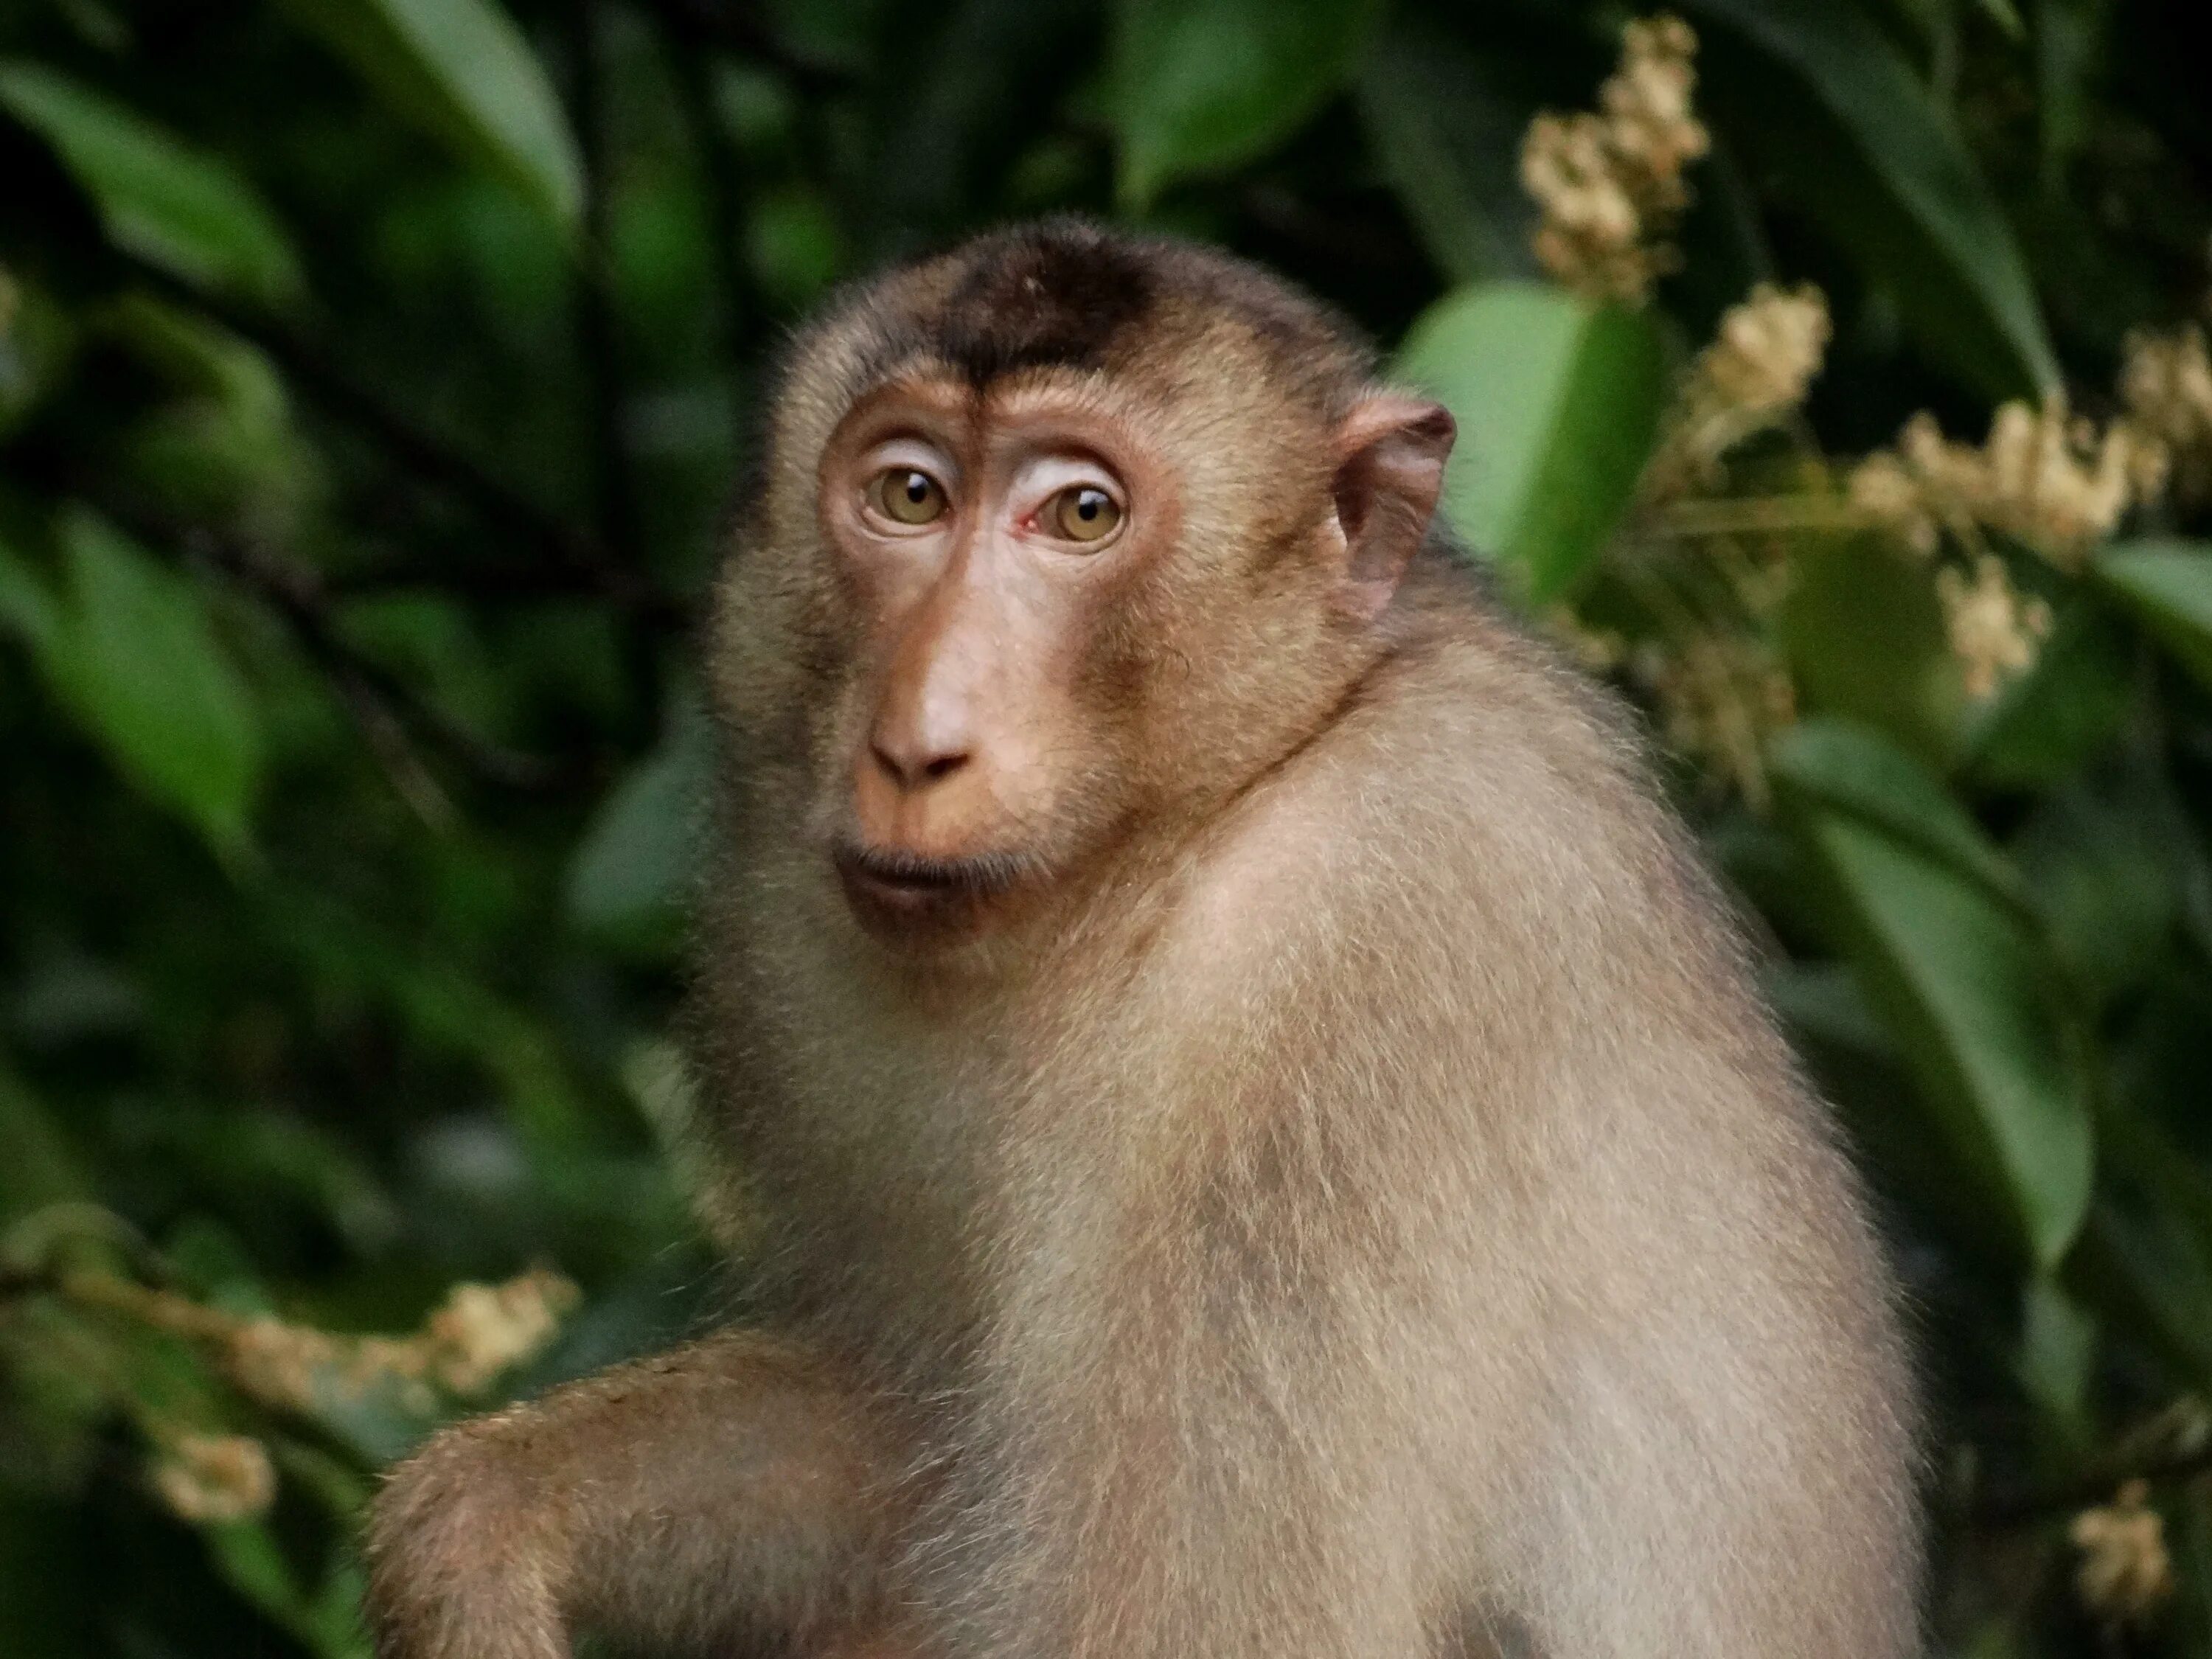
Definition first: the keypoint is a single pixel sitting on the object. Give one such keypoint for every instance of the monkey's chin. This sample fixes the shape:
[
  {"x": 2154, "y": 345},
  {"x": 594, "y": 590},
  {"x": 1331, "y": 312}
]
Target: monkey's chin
[{"x": 907, "y": 896}]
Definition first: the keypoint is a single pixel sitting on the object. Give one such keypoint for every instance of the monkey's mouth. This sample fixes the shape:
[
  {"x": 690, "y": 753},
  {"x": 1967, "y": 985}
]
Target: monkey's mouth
[{"x": 891, "y": 884}]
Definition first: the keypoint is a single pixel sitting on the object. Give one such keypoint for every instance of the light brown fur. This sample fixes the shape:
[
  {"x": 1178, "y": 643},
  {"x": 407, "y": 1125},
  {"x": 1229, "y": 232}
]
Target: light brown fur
[{"x": 1345, "y": 1202}]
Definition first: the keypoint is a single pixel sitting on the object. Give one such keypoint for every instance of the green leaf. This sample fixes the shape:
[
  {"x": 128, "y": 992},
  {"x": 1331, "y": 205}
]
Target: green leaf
[
  {"x": 172, "y": 205},
  {"x": 633, "y": 869},
  {"x": 2168, "y": 586},
  {"x": 41, "y": 1166},
  {"x": 1199, "y": 87},
  {"x": 1558, "y": 405},
  {"x": 2105, "y": 880},
  {"x": 226, "y": 449},
  {"x": 2046, "y": 724},
  {"x": 1844, "y": 767},
  {"x": 461, "y": 71},
  {"x": 37, "y": 341},
  {"x": 2146, "y": 1254},
  {"x": 1863, "y": 632},
  {"x": 136, "y": 656},
  {"x": 1956, "y": 970},
  {"x": 1446, "y": 123},
  {"x": 2057, "y": 1357},
  {"x": 2069, "y": 45},
  {"x": 28, "y": 607},
  {"x": 1815, "y": 95},
  {"x": 247, "y": 1556}
]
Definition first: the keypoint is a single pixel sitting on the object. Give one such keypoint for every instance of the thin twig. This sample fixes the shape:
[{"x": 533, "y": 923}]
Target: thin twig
[
  {"x": 739, "y": 29},
  {"x": 2025, "y": 1506},
  {"x": 589, "y": 565},
  {"x": 2172, "y": 1444},
  {"x": 688, "y": 64},
  {"x": 295, "y": 593},
  {"x": 1756, "y": 515},
  {"x": 501, "y": 582},
  {"x": 597, "y": 343}
]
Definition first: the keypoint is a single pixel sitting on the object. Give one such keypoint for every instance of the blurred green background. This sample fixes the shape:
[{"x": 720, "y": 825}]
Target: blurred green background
[{"x": 373, "y": 373}]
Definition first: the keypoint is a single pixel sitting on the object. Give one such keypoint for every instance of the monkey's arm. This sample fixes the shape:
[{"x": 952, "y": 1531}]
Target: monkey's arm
[{"x": 738, "y": 1485}]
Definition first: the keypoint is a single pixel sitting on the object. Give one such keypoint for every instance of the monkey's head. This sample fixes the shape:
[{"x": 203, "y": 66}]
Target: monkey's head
[{"x": 1059, "y": 537}]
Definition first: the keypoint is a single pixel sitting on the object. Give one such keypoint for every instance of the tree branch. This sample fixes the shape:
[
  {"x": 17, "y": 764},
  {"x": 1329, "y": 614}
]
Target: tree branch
[
  {"x": 590, "y": 567},
  {"x": 2173, "y": 1445},
  {"x": 739, "y": 29},
  {"x": 296, "y": 594}
]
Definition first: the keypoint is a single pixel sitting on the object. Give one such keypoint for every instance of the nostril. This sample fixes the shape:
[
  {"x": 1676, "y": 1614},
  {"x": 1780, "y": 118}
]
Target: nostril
[{"x": 915, "y": 772}]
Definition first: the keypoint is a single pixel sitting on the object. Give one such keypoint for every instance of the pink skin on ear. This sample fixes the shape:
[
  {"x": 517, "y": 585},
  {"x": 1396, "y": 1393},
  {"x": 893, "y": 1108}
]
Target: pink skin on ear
[{"x": 1391, "y": 452}]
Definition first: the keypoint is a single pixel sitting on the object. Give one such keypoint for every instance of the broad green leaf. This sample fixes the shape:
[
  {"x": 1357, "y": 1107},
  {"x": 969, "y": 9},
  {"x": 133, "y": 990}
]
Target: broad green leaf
[
  {"x": 171, "y": 204},
  {"x": 2045, "y": 724},
  {"x": 1816, "y": 96},
  {"x": 199, "y": 355},
  {"x": 28, "y": 607},
  {"x": 1558, "y": 404},
  {"x": 2105, "y": 883},
  {"x": 631, "y": 873},
  {"x": 248, "y": 1555},
  {"x": 461, "y": 70},
  {"x": 1844, "y": 767},
  {"x": 838, "y": 32},
  {"x": 226, "y": 449},
  {"x": 41, "y": 1168},
  {"x": 1202, "y": 86},
  {"x": 445, "y": 1010},
  {"x": 37, "y": 339},
  {"x": 1863, "y": 632},
  {"x": 2070, "y": 47},
  {"x": 2057, "y": 1357},
  {"x": 2146, "y": 1254},
  {"x": 136, "y": 656},
  {"x": 793, "y": 244},
  {"x": 973, "y": 79},
  {"x": 1446, "y": 123},
  {"x": 1957, "y": 972},
  {"x": 2168, "y": 585}
]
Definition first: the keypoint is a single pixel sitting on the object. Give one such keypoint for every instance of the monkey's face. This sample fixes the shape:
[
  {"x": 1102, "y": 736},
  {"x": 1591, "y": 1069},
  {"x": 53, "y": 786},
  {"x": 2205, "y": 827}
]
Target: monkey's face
[
  {"x": 987, "y": 547},
  {"x": 1076, "y": 605}
]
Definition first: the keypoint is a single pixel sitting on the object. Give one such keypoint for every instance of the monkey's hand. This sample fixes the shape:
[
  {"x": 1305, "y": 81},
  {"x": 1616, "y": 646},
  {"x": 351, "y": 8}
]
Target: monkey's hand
[{"x": 737, "y": 1489}]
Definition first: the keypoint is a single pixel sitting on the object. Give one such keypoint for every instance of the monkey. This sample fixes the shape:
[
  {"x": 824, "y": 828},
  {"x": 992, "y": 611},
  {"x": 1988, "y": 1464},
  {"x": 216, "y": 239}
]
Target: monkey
[{"x": 1252, "y": 1129}]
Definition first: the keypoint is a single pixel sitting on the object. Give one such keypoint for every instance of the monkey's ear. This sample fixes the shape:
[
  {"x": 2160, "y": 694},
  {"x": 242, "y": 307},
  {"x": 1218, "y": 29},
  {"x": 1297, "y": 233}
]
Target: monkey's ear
[{"x": 1390, "y": 452}]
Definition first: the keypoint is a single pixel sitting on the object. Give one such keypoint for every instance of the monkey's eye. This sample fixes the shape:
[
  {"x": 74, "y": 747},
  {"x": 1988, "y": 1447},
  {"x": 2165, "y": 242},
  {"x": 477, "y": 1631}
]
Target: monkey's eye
[
  {"x": 1082, "y": 513},
  {"x": 905, "y": 496}
]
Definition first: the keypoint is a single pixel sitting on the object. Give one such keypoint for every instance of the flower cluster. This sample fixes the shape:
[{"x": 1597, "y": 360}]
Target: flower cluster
[
  {"x": 2166, "y": 380},
  {"x": 477, "y": 1332},
  {"x": 2043, "y": 476},
  {"x": 1757, "y": 371},
  {"x": 210, "y": 1478},
  {"x": 1610, "y": 183},
  {"x": 1993, "y": 631},
  {"x": 2126, "y": 1569},
  {"x": 1721, "y": 695},
  {"x": 482, "y": 1330}
]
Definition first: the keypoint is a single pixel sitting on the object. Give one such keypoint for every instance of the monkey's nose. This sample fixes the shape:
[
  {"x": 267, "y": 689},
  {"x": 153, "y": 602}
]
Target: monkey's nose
[{"x": 915, "y": 765}]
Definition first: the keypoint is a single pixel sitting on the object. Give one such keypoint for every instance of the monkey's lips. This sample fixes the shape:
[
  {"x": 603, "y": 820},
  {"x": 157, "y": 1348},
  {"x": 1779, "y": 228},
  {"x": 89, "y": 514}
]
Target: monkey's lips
[{"x": 895, "y": 888}]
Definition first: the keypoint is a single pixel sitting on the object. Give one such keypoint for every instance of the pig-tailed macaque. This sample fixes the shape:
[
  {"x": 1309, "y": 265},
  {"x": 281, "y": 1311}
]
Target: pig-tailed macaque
[{"x": 1257, "y": 1137}]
